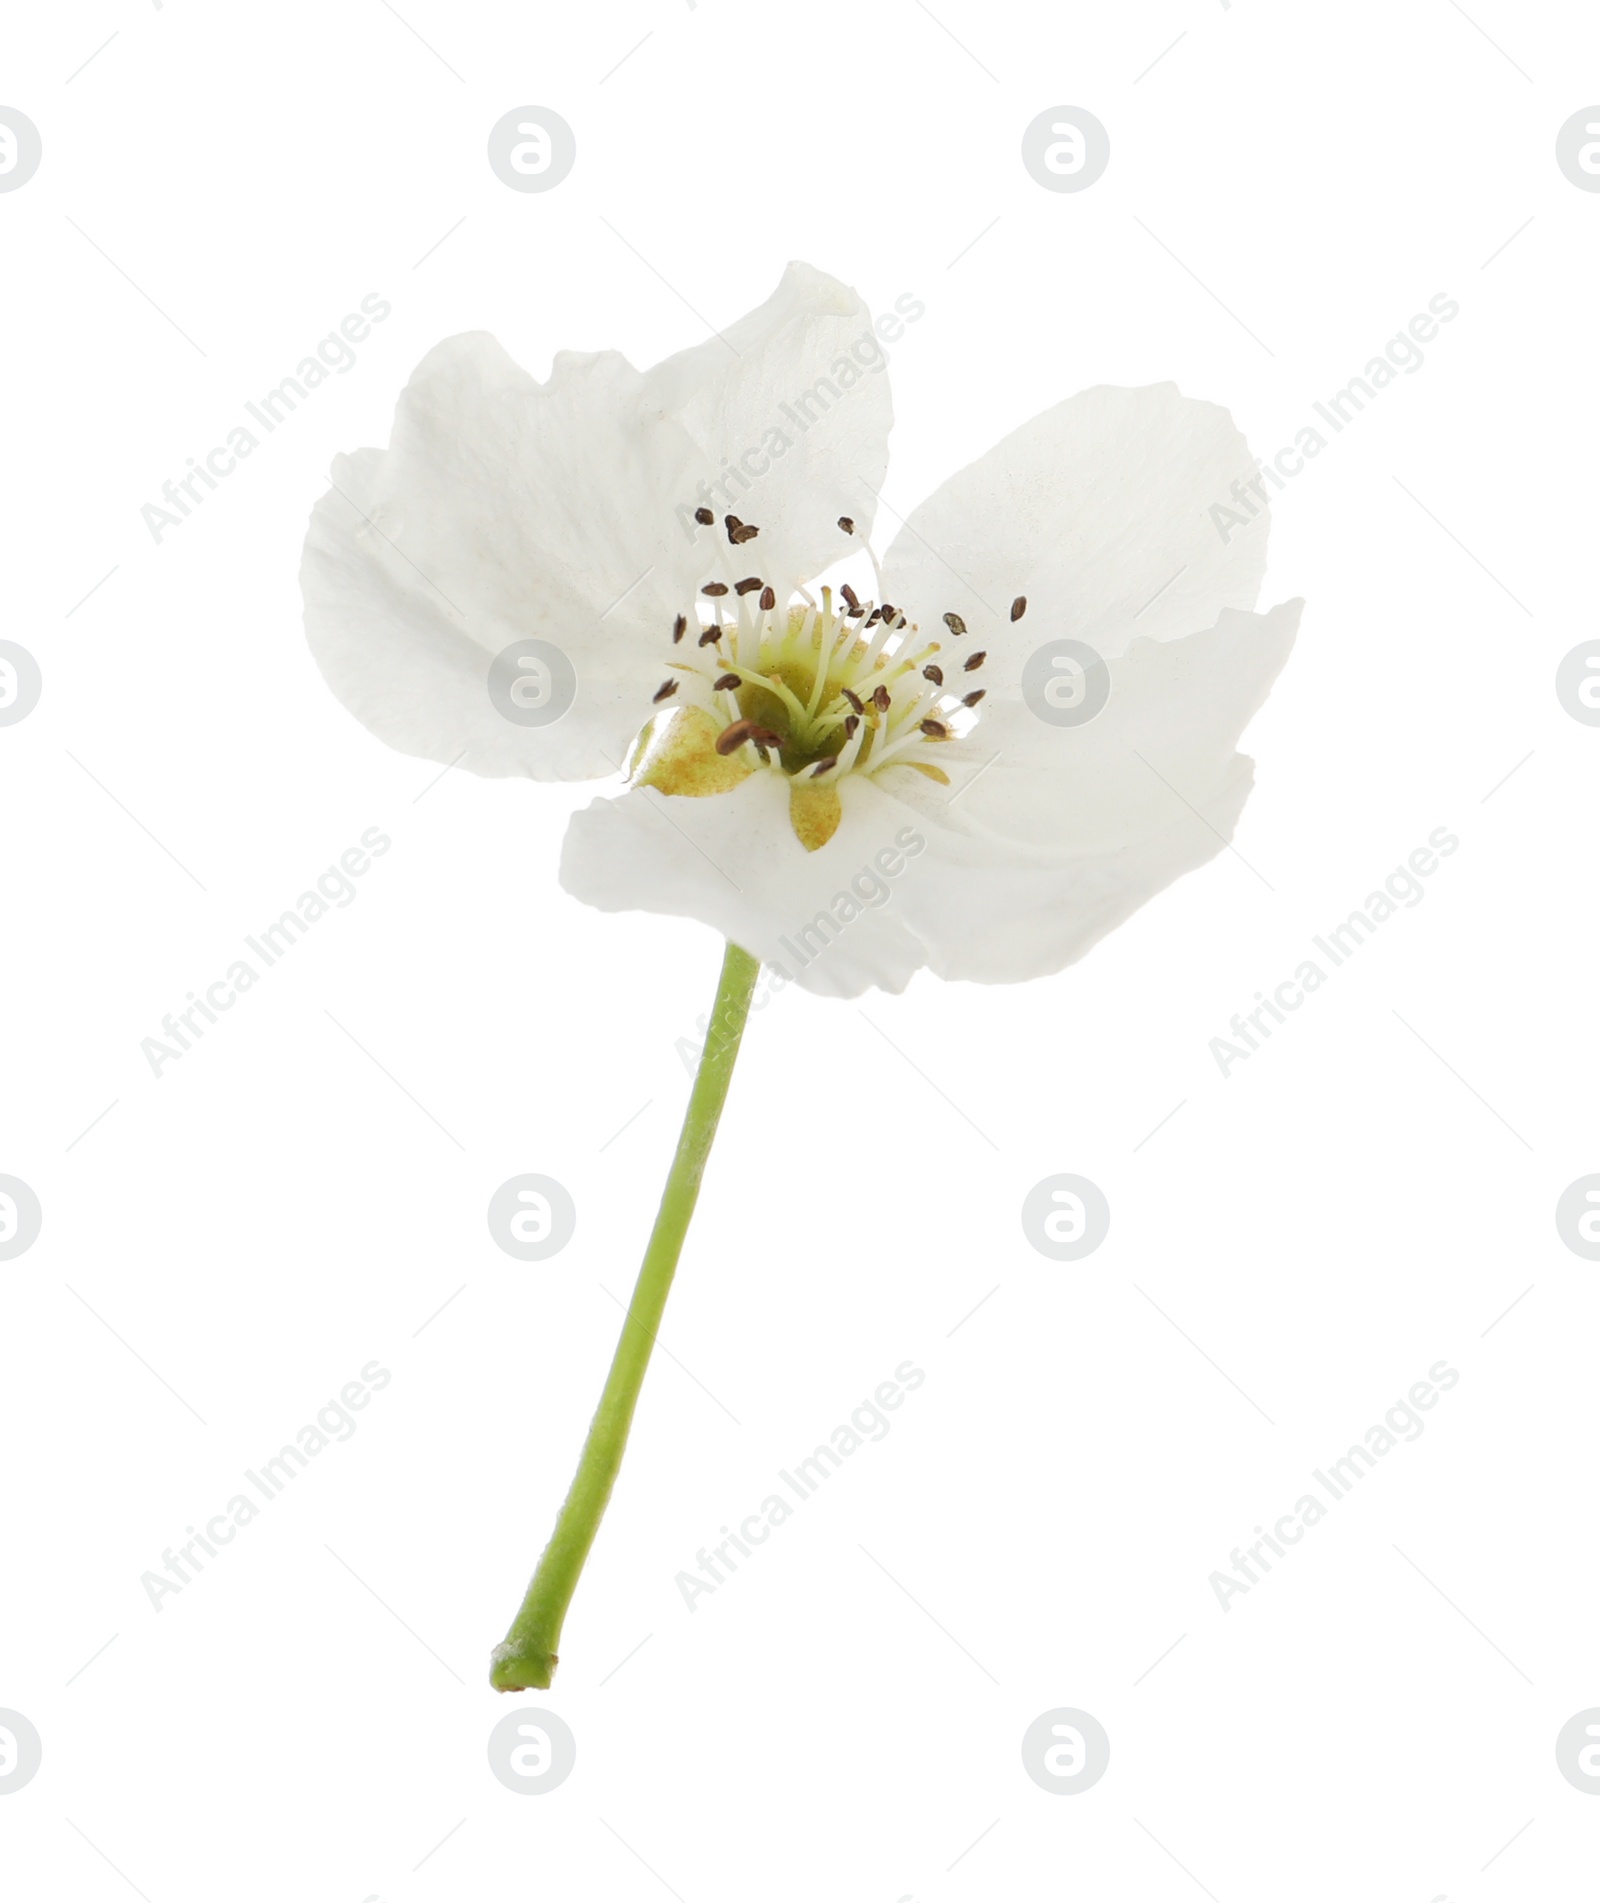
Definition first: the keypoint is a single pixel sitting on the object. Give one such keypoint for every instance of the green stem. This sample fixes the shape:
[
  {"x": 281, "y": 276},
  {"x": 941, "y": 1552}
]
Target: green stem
[{"x": 527, "y": 1655}]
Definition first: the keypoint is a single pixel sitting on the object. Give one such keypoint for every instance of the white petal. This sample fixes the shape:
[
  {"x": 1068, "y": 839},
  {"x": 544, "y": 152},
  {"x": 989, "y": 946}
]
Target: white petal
[
  {"x": 732, "y": 861},
  {"x": 1099, "y": 512},
  {"x": 1167, "y": 734},
  {"x": 1002, "y": 919},
  {"x": 790, "y": 411},
  {"x": 504, "y": 510}
]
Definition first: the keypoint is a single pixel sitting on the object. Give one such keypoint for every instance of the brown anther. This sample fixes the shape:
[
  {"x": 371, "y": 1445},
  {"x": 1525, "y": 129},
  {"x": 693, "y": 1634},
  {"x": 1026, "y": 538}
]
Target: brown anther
[
  {"x": 872, "y": 618},
  {"x": 847, "y": 525},
  {"x": 1019, "y": 607},
  {"x": 738, "y": 531},
  {"x": 734, "y": 737},
  {"x": 680, "y": 627},
  {"x": 974, "y": 660},
  {"x": 888, "y": 612},
  {"x": 749, "y": 585},
  {"x": 850, "y": 596},
  {"x": 851, "y": 722},
  {"x": 935, "y": 729},
  {"x": 715, "y": 588},
  {"x": 934, "y": 674},
  {"x": 769, "y": 599},
  {"x": 665, "y": 691},
  {"x": 880, "y": 699},
  {"x": 972, "y": 699},
  {"x": 855, "y": 704},
  {"x": 824, "y": 766},
  {"x": 704, "y": 517},
  {"x": 724, "y": 682},
  {"x": 710, "y": 636},
  {"x": 955, "y": 624}
]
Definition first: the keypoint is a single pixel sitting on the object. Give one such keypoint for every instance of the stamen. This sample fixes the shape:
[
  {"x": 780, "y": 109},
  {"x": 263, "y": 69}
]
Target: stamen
[
  {"x": 829, "y": 649},
  {"x": 833, "y": 671}
]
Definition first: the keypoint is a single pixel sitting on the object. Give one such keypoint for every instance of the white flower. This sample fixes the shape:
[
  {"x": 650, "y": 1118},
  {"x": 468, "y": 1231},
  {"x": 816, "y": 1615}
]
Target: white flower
[{"x": 878, "y": 779}]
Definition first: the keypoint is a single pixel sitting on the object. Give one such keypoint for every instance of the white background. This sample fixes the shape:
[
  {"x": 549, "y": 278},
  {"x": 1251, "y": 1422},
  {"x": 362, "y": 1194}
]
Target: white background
[{"x": 1289, "y": 1252}]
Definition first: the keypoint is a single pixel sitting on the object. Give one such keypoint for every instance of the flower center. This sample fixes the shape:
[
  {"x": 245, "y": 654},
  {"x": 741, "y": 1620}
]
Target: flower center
[{"x": 812, "y": 692}]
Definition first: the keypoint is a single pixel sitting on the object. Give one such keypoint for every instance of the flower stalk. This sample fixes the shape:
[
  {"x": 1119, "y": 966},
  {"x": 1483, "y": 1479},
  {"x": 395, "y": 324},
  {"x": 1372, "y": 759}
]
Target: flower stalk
[{"x": 527, "y": 1656}]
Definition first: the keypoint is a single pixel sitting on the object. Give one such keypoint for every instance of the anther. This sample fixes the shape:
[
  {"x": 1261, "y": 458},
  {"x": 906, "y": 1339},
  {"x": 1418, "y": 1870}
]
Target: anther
[
  {"x": 739, "y": 531},
  {"x": 715, "y": 588},
  {"x": 847, "y": 525},
  {"x": 850, "y": 596},
  {"x": 704, "y": 517},
  {"x": 734, "y": 737},
  {"x": 769, "y": 599},
  {"x": 972, "y": 699},
  {"x": 880, "y": 699},
  {"x": 665, "y": 691},
  {"x": 679, "y": 628},
  {"x": 1019, "y": 607},
  {"x": 854, "y": 703},
  {"x": 955, "y": 624},
  {"x": 725, "y": 681},
  {"x": 889, "y": 613},
  {"x": 935, "y": 729},
  {"x": 710, "y": 636},
  {"x": 934, "y": 674},
  {"x": 749, "y": 585},
  {"x": 851, "y": 722},
  {"x": 824, "y": 766},
  {"x": 974, "y": 660}
]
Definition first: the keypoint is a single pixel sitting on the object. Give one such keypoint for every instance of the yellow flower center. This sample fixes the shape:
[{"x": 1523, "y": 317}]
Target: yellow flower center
[{"x": 811, "y": 693}]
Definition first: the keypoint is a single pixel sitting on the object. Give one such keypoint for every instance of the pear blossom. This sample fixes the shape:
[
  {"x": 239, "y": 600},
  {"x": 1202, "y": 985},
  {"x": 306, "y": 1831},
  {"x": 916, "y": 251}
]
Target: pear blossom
[{"x": 641, "y": 556}]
